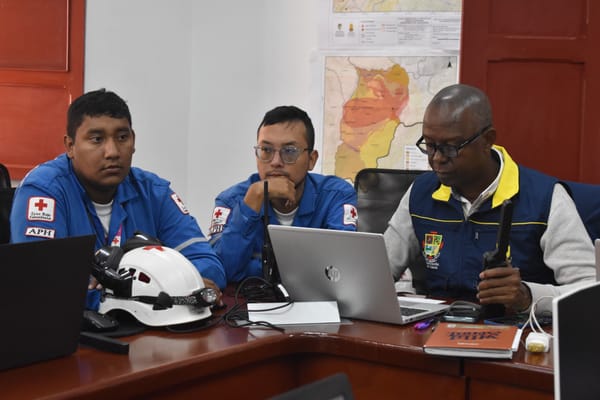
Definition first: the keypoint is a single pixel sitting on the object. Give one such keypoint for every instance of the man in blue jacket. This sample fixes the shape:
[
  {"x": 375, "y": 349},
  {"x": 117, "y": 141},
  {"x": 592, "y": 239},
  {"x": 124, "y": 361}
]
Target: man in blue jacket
[
  {"x": 449, "y": 217},
  {"x": 284, "y": 155},
  {"x": 92, "y": 189}
]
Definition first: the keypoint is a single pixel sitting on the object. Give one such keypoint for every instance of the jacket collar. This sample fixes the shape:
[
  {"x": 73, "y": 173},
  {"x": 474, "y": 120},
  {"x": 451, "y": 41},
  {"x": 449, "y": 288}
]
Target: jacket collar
[{"x": 309, "y": 196}]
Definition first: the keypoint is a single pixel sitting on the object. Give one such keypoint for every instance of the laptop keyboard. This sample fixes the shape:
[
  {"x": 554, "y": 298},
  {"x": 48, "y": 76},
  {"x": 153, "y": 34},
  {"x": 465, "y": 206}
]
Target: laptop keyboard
[{"x": 408, "y": 311}]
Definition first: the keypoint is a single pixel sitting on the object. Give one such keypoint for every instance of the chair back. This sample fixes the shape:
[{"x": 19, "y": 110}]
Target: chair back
[
  {"x": 587, "y": 200},
  {"x": 6, "y": 198},
  {"x": 379, "y": 192},
  {"x": 4, "y": 177}
]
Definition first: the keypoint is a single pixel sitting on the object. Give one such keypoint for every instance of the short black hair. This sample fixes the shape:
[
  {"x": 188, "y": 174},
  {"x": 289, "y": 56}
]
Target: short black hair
[
  {"x": 290, "y": 114},
  {"x": 94, "y": 104}
]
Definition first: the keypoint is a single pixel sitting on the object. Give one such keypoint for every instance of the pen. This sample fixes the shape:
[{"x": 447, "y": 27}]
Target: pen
[{"x": 419, "y": 326}]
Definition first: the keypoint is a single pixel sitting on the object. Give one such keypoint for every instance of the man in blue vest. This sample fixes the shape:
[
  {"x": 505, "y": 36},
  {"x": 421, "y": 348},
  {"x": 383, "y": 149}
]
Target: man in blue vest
[
  {"x": 450, "y": 216},
  {"x": 93, "y": 189},
  {"x": 284, "y": 156}
]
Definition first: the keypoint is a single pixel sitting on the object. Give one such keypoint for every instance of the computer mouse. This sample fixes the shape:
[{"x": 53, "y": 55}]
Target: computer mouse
[{"x": 93, "y": 321}]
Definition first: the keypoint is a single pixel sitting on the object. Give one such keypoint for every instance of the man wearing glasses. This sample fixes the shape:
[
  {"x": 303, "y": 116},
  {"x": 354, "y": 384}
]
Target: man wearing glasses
[
  {"x": 449, "y": 217},
  {"x": 284, "y": 155}
]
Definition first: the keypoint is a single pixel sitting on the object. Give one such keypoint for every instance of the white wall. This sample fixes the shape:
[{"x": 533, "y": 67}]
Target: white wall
[{"x": 198, "y": 76}]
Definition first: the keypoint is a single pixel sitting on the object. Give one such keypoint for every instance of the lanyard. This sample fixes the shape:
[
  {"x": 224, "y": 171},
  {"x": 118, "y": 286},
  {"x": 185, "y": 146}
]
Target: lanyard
[{"x": 101, "y": 236}]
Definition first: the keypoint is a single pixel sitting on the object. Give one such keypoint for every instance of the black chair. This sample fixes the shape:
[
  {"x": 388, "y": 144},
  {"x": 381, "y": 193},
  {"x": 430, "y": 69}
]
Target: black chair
[
  {"x": 4, "y": 177},
  {"x": 334, "y": 387},
  {"x": 587, "y": 200},
  {"x": 379, "y": 191},
  {"x": 6, "y": 198}
]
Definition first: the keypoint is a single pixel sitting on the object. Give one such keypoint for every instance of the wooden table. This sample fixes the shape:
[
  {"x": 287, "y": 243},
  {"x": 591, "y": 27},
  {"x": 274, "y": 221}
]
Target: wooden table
[{"x": 382, "y": 361}]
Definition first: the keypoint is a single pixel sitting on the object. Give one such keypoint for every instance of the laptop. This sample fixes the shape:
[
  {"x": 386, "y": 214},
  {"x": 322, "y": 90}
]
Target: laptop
[
  {"x": 575, "y": 347},
  {"x": 43, "y": 288},
  {"x": 349, "y": 267}
]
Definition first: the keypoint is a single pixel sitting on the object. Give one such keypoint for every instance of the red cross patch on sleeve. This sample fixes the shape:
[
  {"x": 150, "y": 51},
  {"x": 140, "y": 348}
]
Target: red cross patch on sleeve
[
  {"x": 350, "y": 214},
  {"x": 179, "y": 203},
  {"x": 219, "y": 219},
  {"x": 41, "y": 209}
]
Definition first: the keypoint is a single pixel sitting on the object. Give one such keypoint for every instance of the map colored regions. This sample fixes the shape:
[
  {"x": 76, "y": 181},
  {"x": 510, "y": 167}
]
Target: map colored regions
[
  {"x": 343, "y": 6},
  {"x": 374, "y": 106}
]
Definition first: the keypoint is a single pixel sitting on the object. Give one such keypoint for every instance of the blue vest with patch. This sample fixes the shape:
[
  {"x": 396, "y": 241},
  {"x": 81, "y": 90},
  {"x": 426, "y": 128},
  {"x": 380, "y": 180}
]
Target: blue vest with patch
[{"x": 453, "y": 247}]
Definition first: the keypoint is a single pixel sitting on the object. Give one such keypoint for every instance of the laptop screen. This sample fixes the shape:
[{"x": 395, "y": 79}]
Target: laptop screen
[
  {"x": 576, "y": 349},
  {"x": 43, "y": 287}
]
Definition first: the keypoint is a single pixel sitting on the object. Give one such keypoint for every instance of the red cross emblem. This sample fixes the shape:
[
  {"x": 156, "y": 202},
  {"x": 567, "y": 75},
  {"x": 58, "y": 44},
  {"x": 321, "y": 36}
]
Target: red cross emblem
[
  {"x": 353, "y": 212},
  {"x": 41, "y": 205},
  {"x": 218, "y": 213},
  {"x": 159, "y": 248}
]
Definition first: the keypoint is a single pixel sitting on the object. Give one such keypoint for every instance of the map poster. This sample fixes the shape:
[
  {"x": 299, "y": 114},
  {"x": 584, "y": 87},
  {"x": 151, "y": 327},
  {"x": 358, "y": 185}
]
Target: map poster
[
  {"x": 349, "y": 6},
  {"x": 415, "y": 23},
  {"x": 373, "y": 109},
  {"x": 382, "y": 62}
]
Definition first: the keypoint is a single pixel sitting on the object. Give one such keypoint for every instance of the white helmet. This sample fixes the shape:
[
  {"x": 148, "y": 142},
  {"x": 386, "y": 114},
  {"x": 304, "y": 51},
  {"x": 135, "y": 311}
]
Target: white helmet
[{"x": 166, "y": 288}]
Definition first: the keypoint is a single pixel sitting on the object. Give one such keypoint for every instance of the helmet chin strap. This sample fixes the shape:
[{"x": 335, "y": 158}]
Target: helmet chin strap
[{"x": 204, "y": 297}]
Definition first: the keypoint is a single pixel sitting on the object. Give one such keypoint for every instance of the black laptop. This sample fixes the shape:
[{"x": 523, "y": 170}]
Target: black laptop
[{"x": 43, "y": 288}]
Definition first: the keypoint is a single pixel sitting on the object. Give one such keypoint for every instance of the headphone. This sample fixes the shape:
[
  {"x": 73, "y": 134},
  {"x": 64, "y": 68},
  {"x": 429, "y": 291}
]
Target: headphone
[{"x": 107, "y": 259}]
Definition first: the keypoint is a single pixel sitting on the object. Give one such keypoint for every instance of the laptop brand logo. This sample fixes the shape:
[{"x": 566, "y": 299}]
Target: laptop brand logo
[{"x": 332, "y": 273}]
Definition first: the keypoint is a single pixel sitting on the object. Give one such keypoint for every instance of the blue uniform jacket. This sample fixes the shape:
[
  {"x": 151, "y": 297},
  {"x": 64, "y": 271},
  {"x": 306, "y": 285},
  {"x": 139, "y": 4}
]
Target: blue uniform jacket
[
  {"x": 453, "y": 246},
  {"x": 237, "y": 231},
  {"x": 51, "y": 203}
]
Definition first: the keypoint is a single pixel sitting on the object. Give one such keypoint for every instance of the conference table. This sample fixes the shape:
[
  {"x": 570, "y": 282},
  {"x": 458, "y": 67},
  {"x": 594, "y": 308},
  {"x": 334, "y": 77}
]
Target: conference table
[{"x": 381, "y": 361}]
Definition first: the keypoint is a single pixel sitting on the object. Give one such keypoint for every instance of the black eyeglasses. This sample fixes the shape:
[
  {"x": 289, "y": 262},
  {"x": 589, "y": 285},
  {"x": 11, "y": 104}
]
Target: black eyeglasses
[
  {"x": 447, "y": 150},
  {"x": 288, "y": 154}
]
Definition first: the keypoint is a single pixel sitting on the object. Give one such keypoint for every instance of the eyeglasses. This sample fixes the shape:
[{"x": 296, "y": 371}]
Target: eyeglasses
[
  {"x": 447, "y": 150},
  {"x": 288, "y": 154}
]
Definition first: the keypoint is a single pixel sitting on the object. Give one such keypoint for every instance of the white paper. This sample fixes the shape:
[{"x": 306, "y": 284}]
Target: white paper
[
  {"x": 406, "y": 299},
  {"x": 300, "y": 312}
]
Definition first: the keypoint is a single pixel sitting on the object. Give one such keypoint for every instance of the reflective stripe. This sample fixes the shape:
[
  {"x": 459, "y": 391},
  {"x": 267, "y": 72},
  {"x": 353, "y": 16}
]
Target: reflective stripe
[
  {"x": 189, "y": 242},
  {"x": 214, "y": 239}
]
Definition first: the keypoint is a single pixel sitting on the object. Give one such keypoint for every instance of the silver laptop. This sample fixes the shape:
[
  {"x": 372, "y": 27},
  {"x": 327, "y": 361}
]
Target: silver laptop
[
  {"x": 43, "y": 288},
  {"x": 349, "y": 267}
]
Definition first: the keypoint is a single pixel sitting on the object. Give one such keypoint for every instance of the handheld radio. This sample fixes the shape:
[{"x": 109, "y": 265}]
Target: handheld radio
[
  {"x": 497, "y": 257},
  {"x": 269, "y": 265}
]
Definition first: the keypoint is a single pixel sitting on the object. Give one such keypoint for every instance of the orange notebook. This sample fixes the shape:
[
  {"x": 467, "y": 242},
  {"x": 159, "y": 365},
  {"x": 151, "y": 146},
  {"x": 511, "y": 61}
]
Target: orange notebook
[{"x": 473, "y": 340}]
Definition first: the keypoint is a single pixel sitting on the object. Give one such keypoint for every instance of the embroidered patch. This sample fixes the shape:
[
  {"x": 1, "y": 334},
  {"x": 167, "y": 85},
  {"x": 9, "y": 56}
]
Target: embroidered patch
[
  {"x": 350, "y": 214},
  {"x": 37, "y": 231},
  {"x": 117, "y": 239},
  {"x": 219, "y": 219},
  {"x": 179, "y": 203},
  {"x": 41, "y": 209},
  {"x": 432, "y": 244}
]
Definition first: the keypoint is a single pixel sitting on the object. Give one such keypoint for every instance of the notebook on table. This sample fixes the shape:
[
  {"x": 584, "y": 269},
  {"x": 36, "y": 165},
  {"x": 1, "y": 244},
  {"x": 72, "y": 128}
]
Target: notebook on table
[
  {"x": 43, "y": 287},
  {"x": 349, "y": 267}
]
